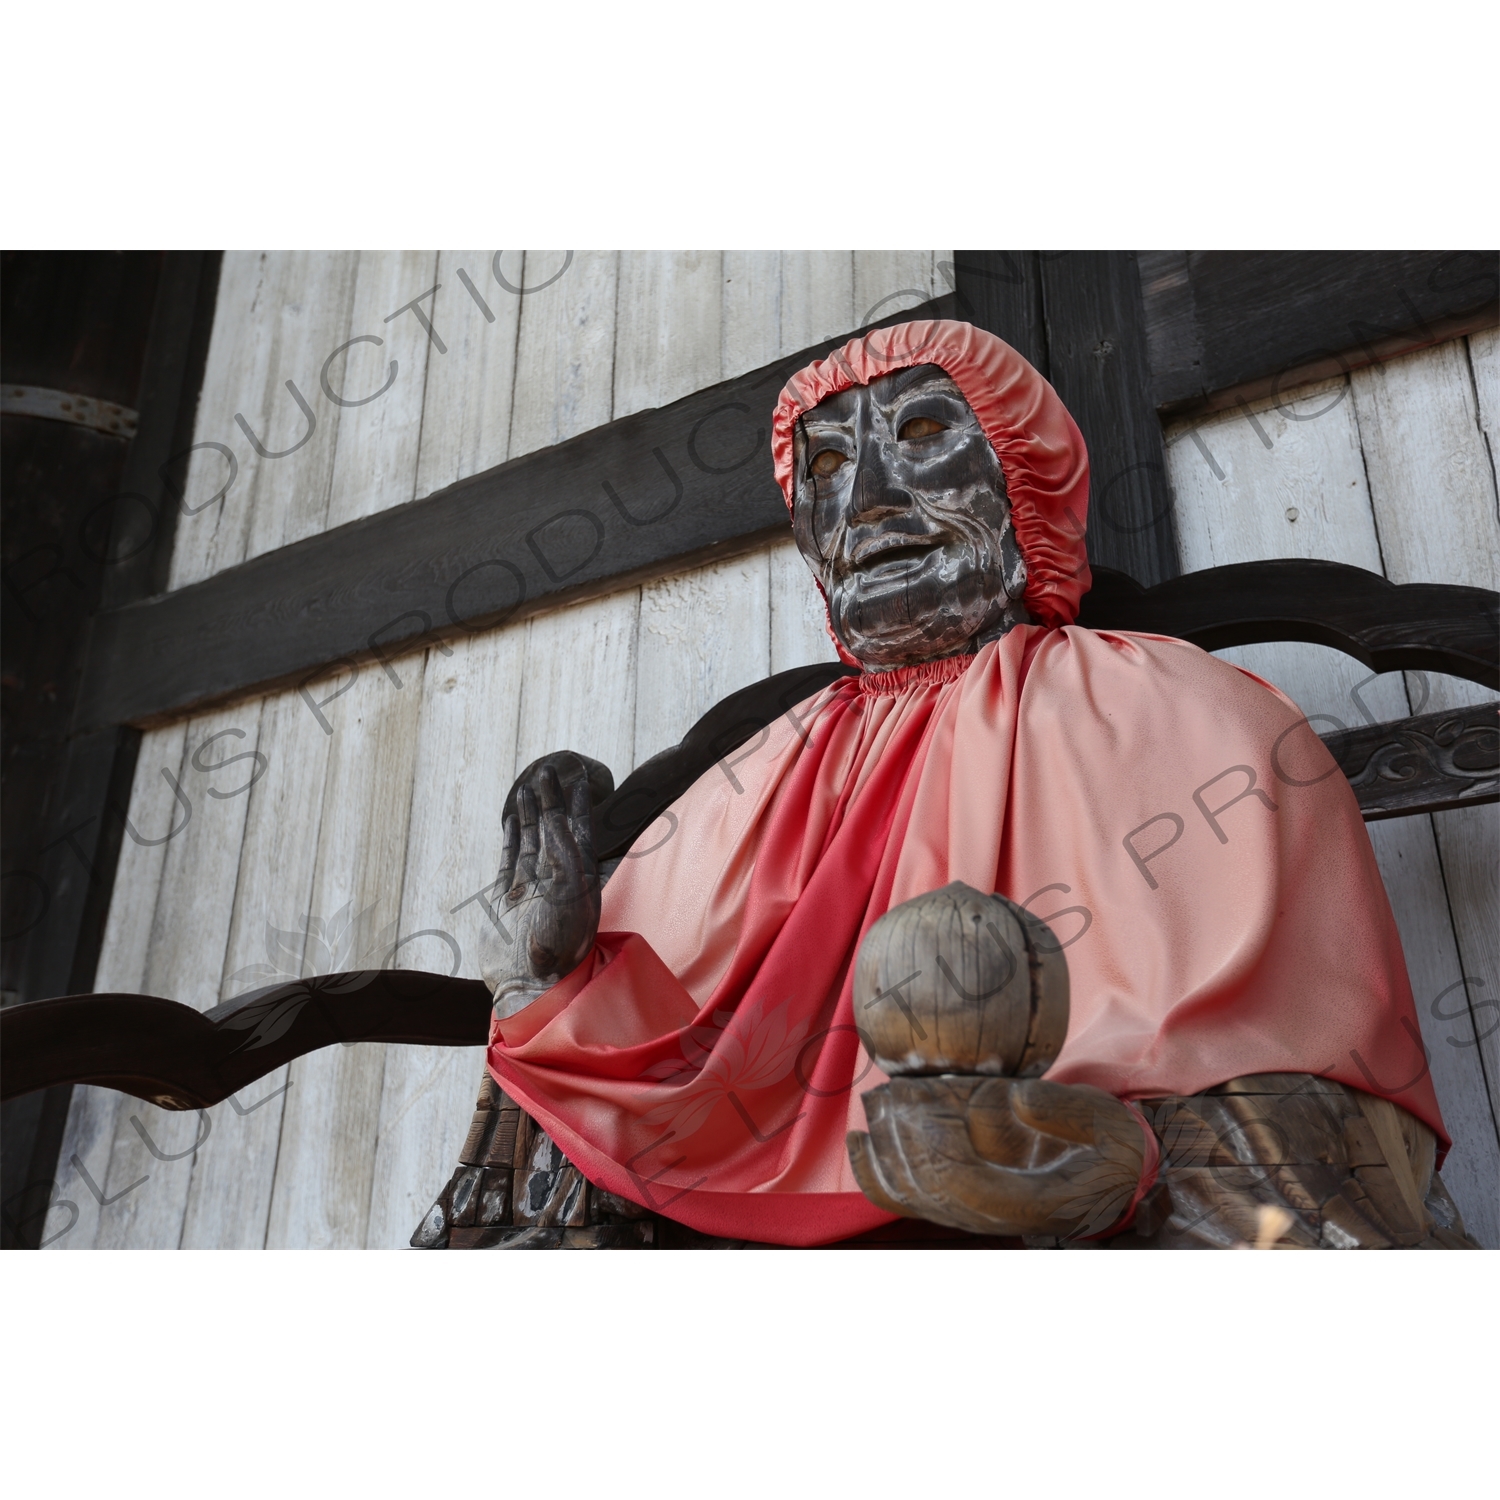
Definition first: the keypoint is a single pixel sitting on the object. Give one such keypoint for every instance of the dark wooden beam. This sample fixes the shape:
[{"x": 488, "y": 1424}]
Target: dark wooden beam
[
  {"x": 1245, "y": 323},
  {"x": 664, "y": 488}
]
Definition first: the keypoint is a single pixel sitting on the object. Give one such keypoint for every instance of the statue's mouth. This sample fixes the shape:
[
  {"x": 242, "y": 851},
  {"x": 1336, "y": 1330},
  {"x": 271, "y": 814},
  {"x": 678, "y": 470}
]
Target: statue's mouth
[{"x": 880, "y": 555}]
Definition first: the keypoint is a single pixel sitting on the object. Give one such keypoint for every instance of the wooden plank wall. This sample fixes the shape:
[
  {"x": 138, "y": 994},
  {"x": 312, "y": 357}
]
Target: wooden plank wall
[
  {"x": 379, "y": 821},
  {"x": 381, "y": 827}
]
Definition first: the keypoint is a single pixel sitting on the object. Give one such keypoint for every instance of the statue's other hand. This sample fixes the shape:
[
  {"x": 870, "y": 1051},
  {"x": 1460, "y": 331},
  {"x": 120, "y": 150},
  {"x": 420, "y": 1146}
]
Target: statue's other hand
[
  {"x": 999, "y": 1156},
  {"x": 549, "y": 878}
]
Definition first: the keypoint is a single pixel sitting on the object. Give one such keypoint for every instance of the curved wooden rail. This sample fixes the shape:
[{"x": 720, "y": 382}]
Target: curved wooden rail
[
  {"x": 180, "y": 1058},
  {"x": 1390, "y": 627}
]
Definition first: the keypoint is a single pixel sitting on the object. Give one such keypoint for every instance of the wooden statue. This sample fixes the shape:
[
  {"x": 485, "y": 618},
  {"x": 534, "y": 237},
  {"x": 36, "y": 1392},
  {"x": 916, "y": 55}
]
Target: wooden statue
[
  {"x": 1004, "y": 932},
  {"x": 706, "y": 1060}
]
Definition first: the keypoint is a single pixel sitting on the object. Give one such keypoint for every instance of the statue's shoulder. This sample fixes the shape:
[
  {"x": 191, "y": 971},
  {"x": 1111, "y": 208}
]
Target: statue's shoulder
[{"x": 1145, "y": 668}]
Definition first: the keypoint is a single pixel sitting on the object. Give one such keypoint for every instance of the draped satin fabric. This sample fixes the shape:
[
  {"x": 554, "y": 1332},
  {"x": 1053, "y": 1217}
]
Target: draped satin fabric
[
  {"x": 1184, "y": 831},
  {"x": 1174, "y": 819}
]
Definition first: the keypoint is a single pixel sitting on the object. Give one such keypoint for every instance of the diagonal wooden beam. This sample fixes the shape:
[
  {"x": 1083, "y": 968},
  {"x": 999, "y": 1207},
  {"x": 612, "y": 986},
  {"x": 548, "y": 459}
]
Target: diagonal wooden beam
[{"x": 670, "y": 487}]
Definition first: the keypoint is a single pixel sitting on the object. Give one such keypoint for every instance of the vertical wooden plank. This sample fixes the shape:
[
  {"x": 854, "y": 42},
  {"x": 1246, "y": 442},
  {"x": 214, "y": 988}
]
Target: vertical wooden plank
[
  {"x": 1431, "y": 480},
  {"x": 565, "y": 350},
  {"x": 229, "y": 1199},
  {"x": 281, "y": 315},
  {"x": 578, "y": 685},
  {"x": 1287, "y": 479},
  {"x": 466, "y": 748},
  {"x": 887, "y": 282},
  {"x": 325, "y": 1167},
  {"x": 703, "y": 635},
  {"x": 466, "y": 409},
  {"x": 1420, "y": 896},
  {"x": 799, "y": 622},
  {"x": 751, "y": 312},
  {"x": 1484, "y": 364},
  {"x": 94, "y": 1112},
  {"x": 206, "y": 534},
  {"x": 184, "y": 960},
  {"x": 817, "y": 296},
  {"x": 375, "y": 458},
  {"x": 667, "y": 327}
]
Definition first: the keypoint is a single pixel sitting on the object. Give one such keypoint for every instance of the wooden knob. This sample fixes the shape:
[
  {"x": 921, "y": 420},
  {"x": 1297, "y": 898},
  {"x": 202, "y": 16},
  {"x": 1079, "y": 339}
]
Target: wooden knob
[{"x": 959, "y": 982}]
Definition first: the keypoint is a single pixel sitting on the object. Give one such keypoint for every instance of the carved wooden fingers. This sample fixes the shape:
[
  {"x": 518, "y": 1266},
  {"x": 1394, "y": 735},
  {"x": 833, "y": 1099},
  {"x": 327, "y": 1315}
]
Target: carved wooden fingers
[
  {"x": 963, "y": 1000},
  {"x": 999, "y": 1156},
  {"x": 548, "y": 906}
]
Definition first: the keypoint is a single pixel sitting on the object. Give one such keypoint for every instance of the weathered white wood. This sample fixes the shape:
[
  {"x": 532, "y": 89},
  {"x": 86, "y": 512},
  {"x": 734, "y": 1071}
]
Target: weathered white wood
[
  {"x": 703, "y": 635},
  {"x": 887, "y": 282},
  {"x": 281, "y": 315},
  {"x": 799, "y": 622},
  {"x": 565, "y": 349},
  {"x": 325, "y": 1167},
  {"x": 1313, "y": 468},
  {"x": 578, "y": 684},
  {"x": 375, "y": 461},
  {"x": 189, "y": 933},
  {"x": 817, "y": 296},
  {"x": 1431, "y": 479},
  {"x": 1408, "y": 859},
  {"x": 465, "y": 764},
  {"x": 667, "y": 327},
  {"x": 1484, "y": 365},
  {"x": 229, "y": 1200},
  {"x": 751, "y": 312},
  {"x": 239, "y": 349},
  {"x": 776, "y": 302},
  {"x": 466, "y": 410},
  {"x": 92, "y": 1116},
  {"x": 1233, "y": 504}
]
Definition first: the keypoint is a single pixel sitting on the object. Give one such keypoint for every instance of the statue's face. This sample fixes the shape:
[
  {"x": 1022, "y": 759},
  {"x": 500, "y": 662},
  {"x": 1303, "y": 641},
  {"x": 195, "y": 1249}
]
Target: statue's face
[{"x": 901, "y": 511}]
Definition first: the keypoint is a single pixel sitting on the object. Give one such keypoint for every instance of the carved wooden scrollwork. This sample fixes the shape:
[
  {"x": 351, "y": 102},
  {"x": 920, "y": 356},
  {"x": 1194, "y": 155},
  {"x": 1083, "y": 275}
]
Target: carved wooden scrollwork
[{"x": 1425, "y": 764}]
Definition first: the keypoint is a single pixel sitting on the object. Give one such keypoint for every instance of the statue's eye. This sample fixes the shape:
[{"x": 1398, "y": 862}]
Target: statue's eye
[
  {"x": 920, "y": 427},
  {"x": 829, "y": 461}
]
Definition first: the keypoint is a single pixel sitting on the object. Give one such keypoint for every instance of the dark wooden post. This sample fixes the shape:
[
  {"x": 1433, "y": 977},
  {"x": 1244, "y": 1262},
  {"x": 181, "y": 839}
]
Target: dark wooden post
[
  {"x": 132, "y": 329},
  {"x": 1078, "y": 316}
]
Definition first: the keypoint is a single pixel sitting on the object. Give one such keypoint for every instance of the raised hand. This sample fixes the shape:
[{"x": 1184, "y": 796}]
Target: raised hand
[
  {"x": 549, "y": 878},
  {"x": 999, "y": 1156}
]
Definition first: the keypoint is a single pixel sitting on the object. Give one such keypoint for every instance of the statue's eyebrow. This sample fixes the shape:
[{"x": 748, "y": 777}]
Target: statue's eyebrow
[
  {"x": 912, "y": 375},
  {"x": 819, "y": 415}
]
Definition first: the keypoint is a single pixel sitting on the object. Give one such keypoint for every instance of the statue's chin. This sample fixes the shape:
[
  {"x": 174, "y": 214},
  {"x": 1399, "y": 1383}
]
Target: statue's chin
[{"x": 889, "y": 618}]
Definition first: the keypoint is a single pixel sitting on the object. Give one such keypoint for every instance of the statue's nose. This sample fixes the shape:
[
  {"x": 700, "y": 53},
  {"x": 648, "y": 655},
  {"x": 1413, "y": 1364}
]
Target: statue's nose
[{"x": 877, "y": 484}]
